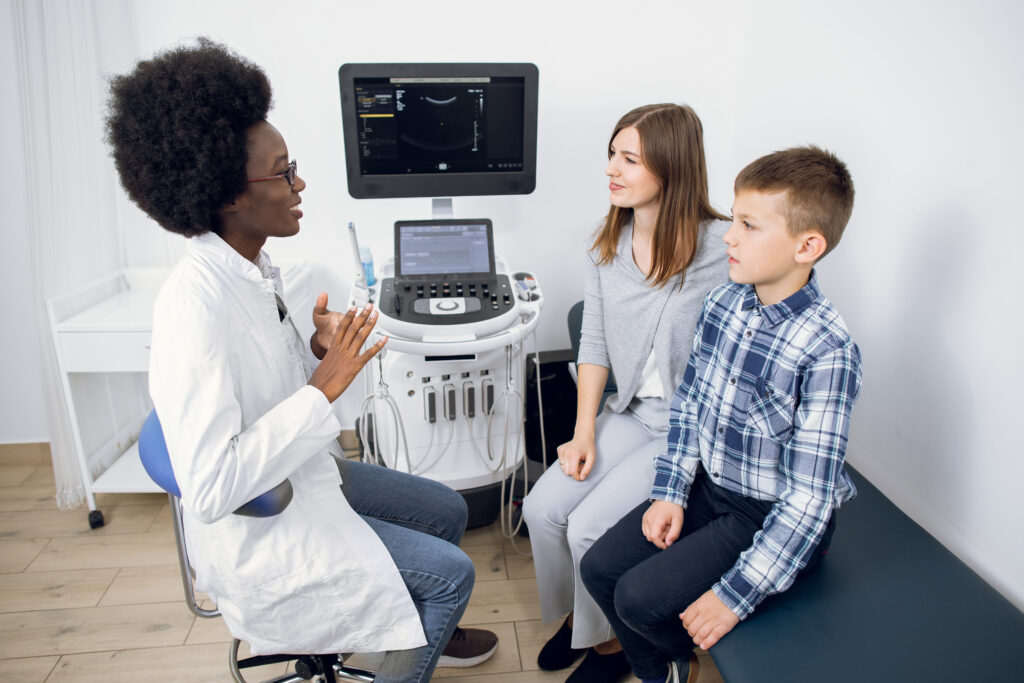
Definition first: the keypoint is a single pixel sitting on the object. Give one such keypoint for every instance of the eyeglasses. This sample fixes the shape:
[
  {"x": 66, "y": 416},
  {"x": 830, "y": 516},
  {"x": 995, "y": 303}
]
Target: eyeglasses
[{"x": 288, "y": 175}]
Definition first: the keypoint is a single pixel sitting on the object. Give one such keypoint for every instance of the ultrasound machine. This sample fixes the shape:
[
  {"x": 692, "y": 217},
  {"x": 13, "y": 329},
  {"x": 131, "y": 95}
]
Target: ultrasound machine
[{"x": 445, "y": 397}]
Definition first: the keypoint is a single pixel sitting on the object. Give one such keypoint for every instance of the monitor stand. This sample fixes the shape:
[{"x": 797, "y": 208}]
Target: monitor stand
[{"x": 441, "y": 207}]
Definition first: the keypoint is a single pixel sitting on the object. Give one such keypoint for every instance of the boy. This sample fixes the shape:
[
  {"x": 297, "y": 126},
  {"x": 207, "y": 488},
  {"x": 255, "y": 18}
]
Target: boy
[{"x": 757, "y": 432}]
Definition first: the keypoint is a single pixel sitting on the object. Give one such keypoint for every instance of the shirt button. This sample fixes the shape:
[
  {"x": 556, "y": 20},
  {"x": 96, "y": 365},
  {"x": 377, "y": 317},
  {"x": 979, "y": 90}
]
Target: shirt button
[
  {"x": 721, "y": 430},
  {"x": 732, "y": 380},
  {"x": 747, "y": 334},
  {"x": 715, "y": 475}
]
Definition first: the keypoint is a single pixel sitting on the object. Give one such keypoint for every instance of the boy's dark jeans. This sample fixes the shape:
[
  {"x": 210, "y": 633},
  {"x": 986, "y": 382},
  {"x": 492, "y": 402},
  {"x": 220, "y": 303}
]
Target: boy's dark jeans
[{"x": 642, "y": 589}]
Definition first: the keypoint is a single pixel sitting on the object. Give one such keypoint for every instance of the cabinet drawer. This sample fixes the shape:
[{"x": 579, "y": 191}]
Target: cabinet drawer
[{"x": 105, "y": 351}]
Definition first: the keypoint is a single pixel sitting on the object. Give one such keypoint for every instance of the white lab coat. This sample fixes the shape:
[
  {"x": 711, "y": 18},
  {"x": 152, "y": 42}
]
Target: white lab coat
[{"x": 228, "y": 380}]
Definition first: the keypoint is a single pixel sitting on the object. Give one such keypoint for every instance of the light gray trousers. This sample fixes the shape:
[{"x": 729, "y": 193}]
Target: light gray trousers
[{"x": 566, "y": 516}]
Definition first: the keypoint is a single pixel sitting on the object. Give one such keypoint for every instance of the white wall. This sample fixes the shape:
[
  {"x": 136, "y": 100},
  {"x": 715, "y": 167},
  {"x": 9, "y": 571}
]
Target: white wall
[{"x": 922, "y": 99}]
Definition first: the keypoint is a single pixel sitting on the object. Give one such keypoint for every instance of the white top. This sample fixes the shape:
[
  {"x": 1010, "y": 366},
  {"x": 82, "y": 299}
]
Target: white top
[
  {"x": 650, "y": 380},
  {"x": 229, "y": 382}
]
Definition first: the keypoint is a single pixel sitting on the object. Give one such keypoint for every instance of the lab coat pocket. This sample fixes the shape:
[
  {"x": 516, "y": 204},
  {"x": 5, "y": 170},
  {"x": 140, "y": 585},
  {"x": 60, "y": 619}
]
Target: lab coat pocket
[
  {"x": 259, "y": 555},
  {"x": 771, "y": 411}
]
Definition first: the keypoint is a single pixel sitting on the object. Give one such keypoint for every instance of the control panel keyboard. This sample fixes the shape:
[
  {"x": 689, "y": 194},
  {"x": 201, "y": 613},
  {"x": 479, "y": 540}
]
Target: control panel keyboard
[{"x": 446, "y": 300}]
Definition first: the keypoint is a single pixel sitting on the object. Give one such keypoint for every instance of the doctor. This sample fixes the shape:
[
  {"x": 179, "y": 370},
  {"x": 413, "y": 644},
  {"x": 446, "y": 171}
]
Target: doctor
[{"x": 365, "y": 559}]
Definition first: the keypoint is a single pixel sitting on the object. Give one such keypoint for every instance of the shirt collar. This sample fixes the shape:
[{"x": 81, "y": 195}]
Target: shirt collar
[
  {"x": 789, "y": 307},
  {"x": 211, "y": 244}
]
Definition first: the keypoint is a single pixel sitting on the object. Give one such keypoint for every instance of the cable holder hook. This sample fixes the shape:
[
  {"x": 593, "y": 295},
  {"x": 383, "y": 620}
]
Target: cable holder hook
[{"x": 382, "y": 385}]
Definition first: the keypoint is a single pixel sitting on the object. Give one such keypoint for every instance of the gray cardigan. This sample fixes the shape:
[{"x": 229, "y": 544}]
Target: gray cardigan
[{"x": 624, "y": 316}]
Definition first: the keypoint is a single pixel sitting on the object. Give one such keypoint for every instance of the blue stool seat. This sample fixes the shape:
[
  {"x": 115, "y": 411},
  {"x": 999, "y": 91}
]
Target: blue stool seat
[{"x": 157, "y": 463}]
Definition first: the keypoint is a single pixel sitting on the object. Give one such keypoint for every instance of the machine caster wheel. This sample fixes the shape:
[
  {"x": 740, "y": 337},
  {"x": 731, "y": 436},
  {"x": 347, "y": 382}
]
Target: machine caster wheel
[{"x": 95, "y": 519}]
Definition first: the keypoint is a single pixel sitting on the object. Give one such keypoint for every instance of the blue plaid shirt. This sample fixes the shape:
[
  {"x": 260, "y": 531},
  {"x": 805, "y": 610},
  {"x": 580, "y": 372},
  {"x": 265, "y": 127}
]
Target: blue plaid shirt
[{"x": 765, "y": 407}]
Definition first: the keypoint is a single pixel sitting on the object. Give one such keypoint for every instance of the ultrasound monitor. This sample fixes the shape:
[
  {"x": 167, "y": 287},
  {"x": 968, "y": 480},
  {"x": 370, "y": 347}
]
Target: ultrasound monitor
[{"x": 439, "y": 130}]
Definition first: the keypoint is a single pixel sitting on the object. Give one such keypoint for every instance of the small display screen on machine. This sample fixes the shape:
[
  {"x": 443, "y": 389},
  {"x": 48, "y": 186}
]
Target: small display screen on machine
[{"x": 449, "y": 247}]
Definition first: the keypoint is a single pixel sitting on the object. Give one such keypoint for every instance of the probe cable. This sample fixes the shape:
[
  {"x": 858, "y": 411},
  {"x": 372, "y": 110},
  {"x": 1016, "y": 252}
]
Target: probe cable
[
  {"x": 369, "y": 404},
  {"x": 444, "y": 449}
]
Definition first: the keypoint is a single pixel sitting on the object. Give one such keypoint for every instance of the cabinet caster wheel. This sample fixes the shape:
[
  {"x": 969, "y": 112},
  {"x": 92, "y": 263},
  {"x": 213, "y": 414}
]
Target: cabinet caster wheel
[{"x": 95, "y": 519}]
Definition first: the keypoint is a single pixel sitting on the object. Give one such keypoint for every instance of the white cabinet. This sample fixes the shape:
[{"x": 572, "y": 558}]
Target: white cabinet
[{"x": 101, "y": 334}]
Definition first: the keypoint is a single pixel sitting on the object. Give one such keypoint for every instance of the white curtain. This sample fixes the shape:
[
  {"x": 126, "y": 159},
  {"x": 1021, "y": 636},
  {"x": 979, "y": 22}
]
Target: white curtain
[{"x": 66, "y": 50}]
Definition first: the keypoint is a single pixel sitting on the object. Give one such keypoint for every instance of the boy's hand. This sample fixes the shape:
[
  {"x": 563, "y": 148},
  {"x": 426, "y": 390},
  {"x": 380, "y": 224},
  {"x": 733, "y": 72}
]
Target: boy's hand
[
  {"x": 326, "y": 323},
  {"x": 662, "y": 523},
  {"x": 342, "y": 361},
  {"x": 707, "y": 619},
  {"x": 577, "y": 457}
]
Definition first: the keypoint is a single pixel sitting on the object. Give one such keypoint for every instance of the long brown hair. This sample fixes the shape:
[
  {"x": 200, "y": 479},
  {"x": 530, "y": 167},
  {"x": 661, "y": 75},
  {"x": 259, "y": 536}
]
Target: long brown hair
[{"x": 672, "y": 148}]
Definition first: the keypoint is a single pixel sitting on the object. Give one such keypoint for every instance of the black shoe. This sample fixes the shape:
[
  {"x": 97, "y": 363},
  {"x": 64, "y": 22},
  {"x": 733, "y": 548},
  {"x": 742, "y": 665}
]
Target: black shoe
[
  {"x": 684, "y": 670},
  {"x": 558, "y": 652},
  {"x": 468, "y": 647},
  {"x": 598, "y": 668}
]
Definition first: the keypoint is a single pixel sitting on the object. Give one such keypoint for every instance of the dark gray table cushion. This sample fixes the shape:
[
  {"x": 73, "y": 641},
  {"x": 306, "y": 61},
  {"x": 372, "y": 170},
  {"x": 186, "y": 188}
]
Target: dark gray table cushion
[{"x": 888, "y": 603}]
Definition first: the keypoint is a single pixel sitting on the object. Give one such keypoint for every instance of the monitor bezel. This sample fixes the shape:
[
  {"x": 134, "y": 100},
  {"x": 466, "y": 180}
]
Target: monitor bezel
[
  {"x": 443, "y": 221},
  {"x": 439, "y": 184}
]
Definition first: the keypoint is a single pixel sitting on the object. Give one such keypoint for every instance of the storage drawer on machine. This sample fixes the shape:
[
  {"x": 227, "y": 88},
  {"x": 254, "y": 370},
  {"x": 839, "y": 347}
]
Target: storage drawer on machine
[{"x": 105, "y": 351}]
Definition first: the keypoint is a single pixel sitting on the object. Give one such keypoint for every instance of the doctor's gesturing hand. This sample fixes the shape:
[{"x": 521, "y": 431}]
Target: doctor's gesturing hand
[
  {"x": 326, "y": 323},
  {"x": 342, "y": 361}
]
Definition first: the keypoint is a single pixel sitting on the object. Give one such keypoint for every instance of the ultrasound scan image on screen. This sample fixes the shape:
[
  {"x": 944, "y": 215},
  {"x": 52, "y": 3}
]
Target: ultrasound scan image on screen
[{"x": 427, "y": 126}]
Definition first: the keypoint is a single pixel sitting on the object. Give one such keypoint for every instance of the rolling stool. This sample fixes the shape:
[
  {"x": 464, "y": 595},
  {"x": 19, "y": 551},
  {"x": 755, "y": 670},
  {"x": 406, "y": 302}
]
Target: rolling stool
[{"x": 328, "y": 668}]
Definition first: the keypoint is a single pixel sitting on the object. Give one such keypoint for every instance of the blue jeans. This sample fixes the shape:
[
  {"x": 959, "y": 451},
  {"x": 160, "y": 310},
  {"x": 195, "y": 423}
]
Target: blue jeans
[
  {"x": 642, "y": 589},
  {"x": 420, "y": 522}
]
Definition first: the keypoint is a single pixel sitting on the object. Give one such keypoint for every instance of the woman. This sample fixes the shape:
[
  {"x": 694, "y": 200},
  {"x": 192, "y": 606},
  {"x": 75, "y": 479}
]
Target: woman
[
  {"x": 651, "y": 264},
  {"x": 241, "y": 412}
]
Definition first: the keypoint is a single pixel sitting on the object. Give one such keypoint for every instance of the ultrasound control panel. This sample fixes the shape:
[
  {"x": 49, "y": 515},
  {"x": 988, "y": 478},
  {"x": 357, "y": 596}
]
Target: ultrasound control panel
[
  {"x": 445, "y": 274},
  {"x": 446, "y": 300}
]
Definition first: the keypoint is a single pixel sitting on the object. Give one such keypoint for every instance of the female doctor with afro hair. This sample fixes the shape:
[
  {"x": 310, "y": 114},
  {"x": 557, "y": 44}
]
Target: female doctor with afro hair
[{"x": 364, "y": 559}]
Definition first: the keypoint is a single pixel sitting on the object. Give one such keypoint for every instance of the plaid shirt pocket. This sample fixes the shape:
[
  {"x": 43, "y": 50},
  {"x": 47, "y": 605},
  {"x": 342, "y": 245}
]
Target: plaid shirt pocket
[{"x": 771, "y": 412}]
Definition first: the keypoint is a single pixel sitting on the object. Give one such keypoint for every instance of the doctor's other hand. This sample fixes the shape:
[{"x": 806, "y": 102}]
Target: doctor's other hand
[
  {"x": 343, "y": 361},
  {"x": 576, "y": 458},
  {"x": 326, "y": 323},
  {"x": 662, "y": 523}
]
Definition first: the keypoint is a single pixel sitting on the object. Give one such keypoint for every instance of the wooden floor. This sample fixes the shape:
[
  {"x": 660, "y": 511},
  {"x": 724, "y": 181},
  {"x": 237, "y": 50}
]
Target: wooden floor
[{"x": 106, "y": 605}]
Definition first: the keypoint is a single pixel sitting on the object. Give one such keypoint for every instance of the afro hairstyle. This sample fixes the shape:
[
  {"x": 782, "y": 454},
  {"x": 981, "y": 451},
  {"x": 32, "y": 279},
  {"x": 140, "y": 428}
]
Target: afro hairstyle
[{"x": 177, "y": 128}]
